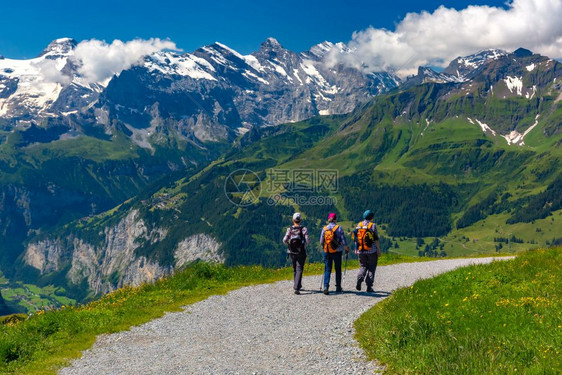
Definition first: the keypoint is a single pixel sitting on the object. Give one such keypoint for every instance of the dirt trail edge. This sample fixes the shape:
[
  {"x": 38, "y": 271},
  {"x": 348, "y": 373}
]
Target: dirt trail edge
[{"x": 262, "y": 329}]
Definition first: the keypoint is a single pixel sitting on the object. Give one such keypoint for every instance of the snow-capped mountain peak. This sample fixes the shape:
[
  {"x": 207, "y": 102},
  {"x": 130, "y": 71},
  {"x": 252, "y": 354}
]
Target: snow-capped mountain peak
[
  {"x": 463, "y": 67},
  {"x": 271, "y": 43},
  {"x": 46, "y": 86},
  {"x": 271, "y": 49},
  {"x": 319, "y": 50},
  {"x": 476, "y": 60},
  {"x": 59, "y": 47},
  {"x": 30, "y": 86}
]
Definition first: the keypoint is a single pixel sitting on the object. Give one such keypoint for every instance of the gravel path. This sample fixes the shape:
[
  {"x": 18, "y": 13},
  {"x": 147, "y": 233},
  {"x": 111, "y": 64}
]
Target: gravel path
[{"x": 263, "y": 329}]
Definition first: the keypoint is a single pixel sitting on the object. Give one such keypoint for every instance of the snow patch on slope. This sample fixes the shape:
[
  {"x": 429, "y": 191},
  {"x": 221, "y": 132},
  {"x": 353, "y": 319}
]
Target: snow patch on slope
[
  {"x": 251, "y": 75},
  {"x": 427, "y": 123},
  {"x": 279, "y": 69},
  {"x": 485, "y": 127},
  {"x": 227, "y": 48},
  {"x": 513, "y": 138},
  {"x": 514, "y": 83},
  {"x": 516, "y": 138},
  {"x": 530, "y": 95},
  {"x": 532, "y": 126},
  {"x": 253, "y": 62},
  {"x": 184, "y": 65},
  {"x": 313, "y": 73},
  {"x": 39, "y": 82}
]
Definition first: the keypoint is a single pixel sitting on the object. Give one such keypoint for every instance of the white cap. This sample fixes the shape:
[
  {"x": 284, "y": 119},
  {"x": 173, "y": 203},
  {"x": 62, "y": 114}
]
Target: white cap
[{"x": 297, "y": 217}]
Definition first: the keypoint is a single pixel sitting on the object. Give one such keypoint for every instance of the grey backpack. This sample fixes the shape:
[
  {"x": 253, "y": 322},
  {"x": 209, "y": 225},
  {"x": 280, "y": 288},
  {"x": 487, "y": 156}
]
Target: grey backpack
[{"x": 296, "y": 240}]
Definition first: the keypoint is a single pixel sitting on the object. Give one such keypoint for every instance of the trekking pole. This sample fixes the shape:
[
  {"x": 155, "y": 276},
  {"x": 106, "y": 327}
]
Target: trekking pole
[
  {"x": 345, "y": 268},
  {"x": 322, "y": 279}
]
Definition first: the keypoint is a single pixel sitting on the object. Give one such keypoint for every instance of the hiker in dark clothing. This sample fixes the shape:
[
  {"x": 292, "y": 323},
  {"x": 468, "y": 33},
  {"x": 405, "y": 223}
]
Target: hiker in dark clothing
[
  {"x": 333, "y": 242},
  {"x": 296, "y": 239},
  {"x": 368, "y": 249}
]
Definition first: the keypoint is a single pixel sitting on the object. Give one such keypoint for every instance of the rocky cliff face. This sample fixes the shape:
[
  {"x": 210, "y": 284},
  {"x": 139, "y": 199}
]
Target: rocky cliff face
[
  {"x": 46, "y": 256},
  {"x": 113, "y": 263},
  {"x": 215, "y": 93},
  {"x": 199, "y": 246}
]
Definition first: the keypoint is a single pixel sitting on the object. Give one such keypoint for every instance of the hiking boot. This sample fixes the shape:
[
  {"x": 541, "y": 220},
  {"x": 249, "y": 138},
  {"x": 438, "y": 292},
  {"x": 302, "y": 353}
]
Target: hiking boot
[
  {"x": 297, "y": 291},
  {"x": 370, "y": 289},
  {"x": 339, "y": 289},
  {"x": 326, "y": 291},
  {"x": 358, "y": 286}
]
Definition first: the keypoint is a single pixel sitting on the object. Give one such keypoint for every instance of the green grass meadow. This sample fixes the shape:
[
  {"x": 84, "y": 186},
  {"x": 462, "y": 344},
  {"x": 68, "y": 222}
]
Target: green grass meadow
[
  {"x": 501, "y": 318},
  {"x": 47, "y": 340}
]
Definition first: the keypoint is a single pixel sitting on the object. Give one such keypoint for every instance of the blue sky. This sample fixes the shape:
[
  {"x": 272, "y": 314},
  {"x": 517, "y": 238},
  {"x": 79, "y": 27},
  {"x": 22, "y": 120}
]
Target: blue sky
[{"x": 28, "y": 26}]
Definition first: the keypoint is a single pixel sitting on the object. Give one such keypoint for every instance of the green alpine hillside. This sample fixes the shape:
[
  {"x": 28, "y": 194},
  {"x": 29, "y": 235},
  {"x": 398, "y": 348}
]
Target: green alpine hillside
[{"x": 449, "y": 167}]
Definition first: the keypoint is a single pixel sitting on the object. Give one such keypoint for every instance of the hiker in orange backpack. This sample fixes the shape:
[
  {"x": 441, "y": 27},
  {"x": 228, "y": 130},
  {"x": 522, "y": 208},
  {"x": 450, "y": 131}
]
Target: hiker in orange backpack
[
  {"x": 368, "y": 249},
  {"x": 296, "y": 239},
  {"x": 333, "y": 242}
]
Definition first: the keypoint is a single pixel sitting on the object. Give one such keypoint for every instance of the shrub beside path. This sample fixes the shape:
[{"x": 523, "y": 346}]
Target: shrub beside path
[{"x": 262, "y": 329}]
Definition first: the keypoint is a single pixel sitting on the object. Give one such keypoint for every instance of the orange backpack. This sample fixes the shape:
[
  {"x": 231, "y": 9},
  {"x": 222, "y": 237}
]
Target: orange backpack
[
  {"x": 331, "y": 243},
  {"x": 365, "y": 236}
]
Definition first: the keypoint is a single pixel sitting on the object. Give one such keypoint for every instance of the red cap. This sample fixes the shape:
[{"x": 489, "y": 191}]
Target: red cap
[{"x": 332, "y": 217}]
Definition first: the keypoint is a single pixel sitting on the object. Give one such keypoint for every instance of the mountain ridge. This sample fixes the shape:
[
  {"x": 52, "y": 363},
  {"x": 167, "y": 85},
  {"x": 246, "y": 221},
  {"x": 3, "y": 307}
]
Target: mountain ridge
[{"x": 59, "y": 89}]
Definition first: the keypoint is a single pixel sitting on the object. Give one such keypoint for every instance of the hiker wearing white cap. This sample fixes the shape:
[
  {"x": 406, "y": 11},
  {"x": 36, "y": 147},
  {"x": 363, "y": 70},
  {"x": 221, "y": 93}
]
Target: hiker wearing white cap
[{"x": 296, "y": 239}]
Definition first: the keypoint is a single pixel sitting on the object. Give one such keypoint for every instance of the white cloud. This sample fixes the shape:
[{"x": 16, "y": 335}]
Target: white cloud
[
  {"x": 51, "y": 73},
  {"x": 99, "y": 60},
  {"x": 437, "y": 38}
]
